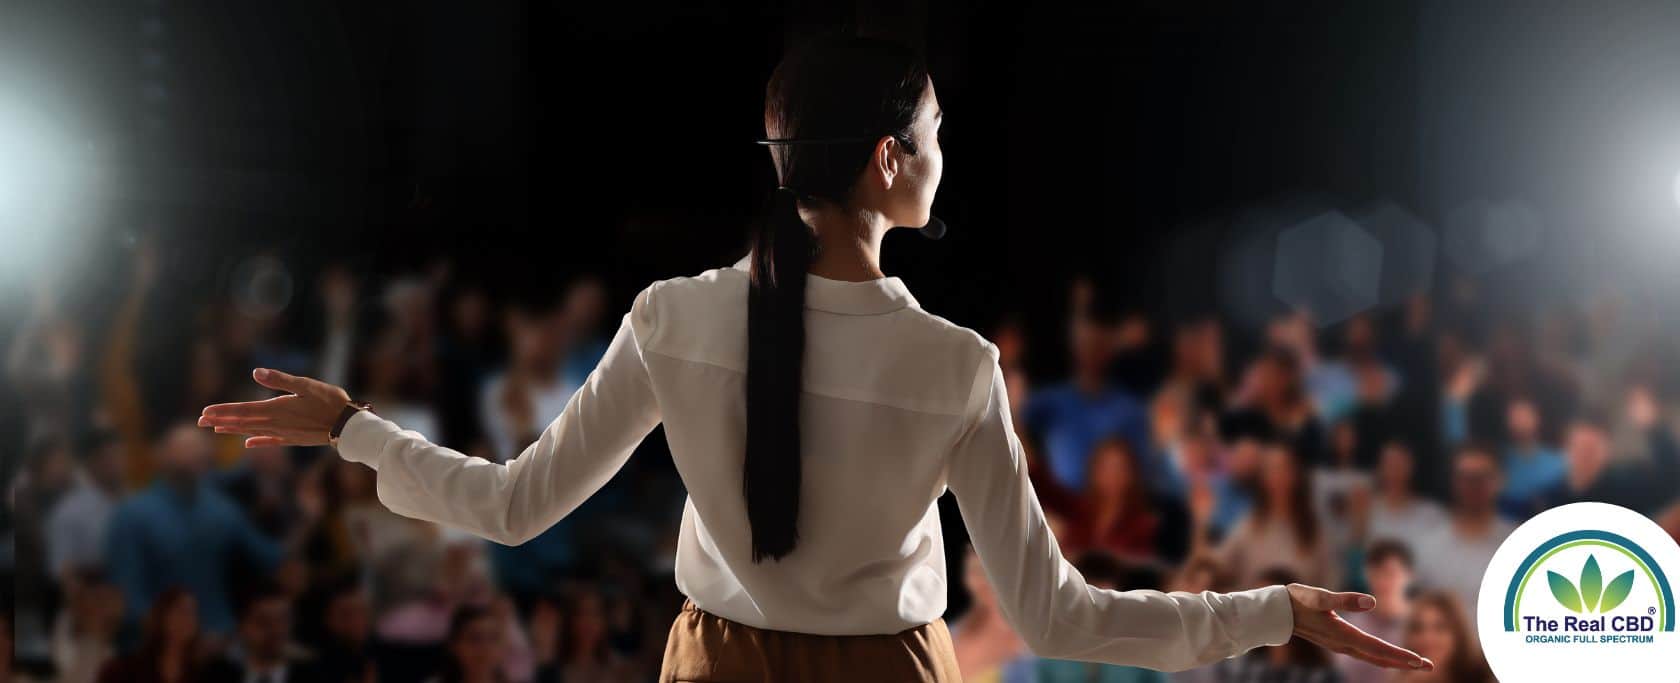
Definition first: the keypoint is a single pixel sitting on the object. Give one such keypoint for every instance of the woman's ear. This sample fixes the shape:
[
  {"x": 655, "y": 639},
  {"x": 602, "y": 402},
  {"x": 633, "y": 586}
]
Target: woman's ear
[{"x": 886, "y": 161}]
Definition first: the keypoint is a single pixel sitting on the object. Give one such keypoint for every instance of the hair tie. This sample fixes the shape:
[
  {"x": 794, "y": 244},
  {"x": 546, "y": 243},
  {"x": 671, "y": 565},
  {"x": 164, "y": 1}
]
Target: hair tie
[{"x": 794, "y": 192}]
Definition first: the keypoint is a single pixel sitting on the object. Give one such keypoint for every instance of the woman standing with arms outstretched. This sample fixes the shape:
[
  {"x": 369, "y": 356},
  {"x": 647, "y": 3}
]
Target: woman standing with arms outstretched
[{"x": 815, "y": 413}]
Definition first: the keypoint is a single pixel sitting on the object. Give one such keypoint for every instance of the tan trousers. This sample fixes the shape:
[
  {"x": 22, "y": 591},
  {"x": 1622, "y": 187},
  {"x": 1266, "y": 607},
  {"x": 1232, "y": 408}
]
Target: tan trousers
[{"x": 706, "y": 648}]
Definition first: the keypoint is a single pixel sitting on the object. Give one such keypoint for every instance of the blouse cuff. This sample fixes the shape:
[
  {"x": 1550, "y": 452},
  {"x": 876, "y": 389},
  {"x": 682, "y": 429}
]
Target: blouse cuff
[
  {"x": 364, "y": 436},
  {"x": 1272, "y": 613}
]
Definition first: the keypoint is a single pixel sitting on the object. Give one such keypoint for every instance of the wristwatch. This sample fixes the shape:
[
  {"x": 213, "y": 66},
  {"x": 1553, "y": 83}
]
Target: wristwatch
[{"x": 350, "y": 410}]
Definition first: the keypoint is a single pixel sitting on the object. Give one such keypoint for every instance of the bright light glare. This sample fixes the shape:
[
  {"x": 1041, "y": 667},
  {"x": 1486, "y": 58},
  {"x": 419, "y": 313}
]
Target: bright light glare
[
  {"x": 37, "y": 167},
  {"x": 25, "y": 161}
]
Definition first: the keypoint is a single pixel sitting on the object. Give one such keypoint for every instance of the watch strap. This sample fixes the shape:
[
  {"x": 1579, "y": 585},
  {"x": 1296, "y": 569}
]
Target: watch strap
[{"x": 350, "y": 410}]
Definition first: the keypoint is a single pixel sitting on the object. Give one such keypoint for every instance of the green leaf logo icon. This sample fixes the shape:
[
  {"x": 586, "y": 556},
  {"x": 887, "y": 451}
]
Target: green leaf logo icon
[
  {"x": 1617, "y": 591},
  {"x": 1593, "y": 594},
  {"x": 1564, "y": 591},
  {"x": 1592, "y": 584}
]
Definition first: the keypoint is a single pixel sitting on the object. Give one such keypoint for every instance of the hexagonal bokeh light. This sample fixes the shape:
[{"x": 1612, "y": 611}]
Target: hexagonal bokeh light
[
  {"x": 1328, "y": 265},
  {"x": 1408, "y": 243},
  {"x": 1482, "y": 235}
]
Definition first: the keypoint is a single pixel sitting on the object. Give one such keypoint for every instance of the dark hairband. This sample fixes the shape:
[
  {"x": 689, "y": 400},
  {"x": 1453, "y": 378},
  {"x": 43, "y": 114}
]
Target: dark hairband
[{"x": 812, "y": 141}]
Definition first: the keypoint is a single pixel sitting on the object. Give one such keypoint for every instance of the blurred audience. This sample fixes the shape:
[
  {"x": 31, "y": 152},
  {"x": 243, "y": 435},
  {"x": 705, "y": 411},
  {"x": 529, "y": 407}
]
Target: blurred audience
[
  {"x": 1069, "y": 419},
  {"x": 1440, "y": 629},
  {"x": 1187, "y": 453},
  {"x": 171, "y": 649},
  {"x": 183, "y": 532},
  {"x": 1297, "y": 661},
  {"x": 1282, "y": 532},
  {"x": 1461, "y": 549},
  {"x": 1388, "y": 576},
  {"x": 988, "y": 649}
]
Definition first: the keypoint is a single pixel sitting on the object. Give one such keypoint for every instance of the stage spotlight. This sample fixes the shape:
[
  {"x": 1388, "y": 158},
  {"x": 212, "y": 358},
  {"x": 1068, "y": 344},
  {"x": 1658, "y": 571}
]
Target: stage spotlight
[{"x": 39, "y": 172}]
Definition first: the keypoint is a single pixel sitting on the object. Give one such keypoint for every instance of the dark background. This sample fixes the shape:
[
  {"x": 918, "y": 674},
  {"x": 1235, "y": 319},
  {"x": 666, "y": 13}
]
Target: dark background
[{"x": 1125, "y": 140}]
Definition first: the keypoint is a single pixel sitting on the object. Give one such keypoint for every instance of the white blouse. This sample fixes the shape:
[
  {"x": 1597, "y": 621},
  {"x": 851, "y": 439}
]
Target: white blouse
[{"x": 899, "y": 404}]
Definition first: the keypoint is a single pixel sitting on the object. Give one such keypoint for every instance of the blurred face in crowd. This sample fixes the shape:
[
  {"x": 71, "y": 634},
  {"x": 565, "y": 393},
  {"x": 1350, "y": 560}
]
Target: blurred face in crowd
[
  {"x": 1476, "y": 482},
  {"x": 348, "y": 617},
  {"x": 469, "y": 313},
  {"x": 1344, "y": 440},
  {"x": 1522, "y": 420},
  {"x": 105, "y": 464},
  {"x": 1276, "y": 383},
  {"x": 480, "y": 646},
  {"x": 1587, "y": 450},
  {"x": 586, "y": 303},
  {"x": 179, "y": 624},
  {"x": 588, "y": 621},
  {"x": 1430, "y": 633},
  {"x": 1279, "y": 474},
  {"x": 1361, "y": 336},
  {"x": 1198, "y": 350},
  {"x": 1166, "y": 417},
  {"x": 533, "y": 340},
  {"x": 1394, "y": 470},
  {"x": 266, "y": 628},
  {"x": 408, "y": 302},
  {"x": 1092, "y": 347},
  {"x": 1371, "y": 382},
  {"x": 1197, "y": 454},
  {"x": 1245, "y": 458},
  {"x": 96, "y": 608},
  {"x": 383, "y": 364},
  {"x": 1112, "y": 472},
  {"x": 52, "y": 467},
  {"x": 184, "y": 453},
  {"x": 1389, "y": 577}
]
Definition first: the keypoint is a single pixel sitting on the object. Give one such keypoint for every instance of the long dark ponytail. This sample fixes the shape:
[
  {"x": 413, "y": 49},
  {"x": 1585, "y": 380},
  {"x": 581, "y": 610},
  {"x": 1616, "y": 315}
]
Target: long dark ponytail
[{"x": 825, "y": 108}]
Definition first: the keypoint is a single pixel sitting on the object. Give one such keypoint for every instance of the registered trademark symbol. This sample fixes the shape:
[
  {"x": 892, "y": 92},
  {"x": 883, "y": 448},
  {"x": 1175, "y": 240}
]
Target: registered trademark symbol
[{"x": 1650, "y": 610}]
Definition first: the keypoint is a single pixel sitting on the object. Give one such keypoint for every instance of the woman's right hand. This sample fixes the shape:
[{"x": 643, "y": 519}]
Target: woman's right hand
[
  {"x": 1316, "y": 621},
  {"x": 303, "y": 417}
]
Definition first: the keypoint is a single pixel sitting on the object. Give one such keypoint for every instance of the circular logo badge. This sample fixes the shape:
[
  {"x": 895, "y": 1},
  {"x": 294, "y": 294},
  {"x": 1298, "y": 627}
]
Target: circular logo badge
[{"x": 1582, "y": 590}]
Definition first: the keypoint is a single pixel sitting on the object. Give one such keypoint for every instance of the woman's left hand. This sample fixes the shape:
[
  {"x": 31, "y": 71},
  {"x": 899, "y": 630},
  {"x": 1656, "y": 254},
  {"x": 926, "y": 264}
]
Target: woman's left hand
[
  {"x": 303, "y": 417},
  {"x": 1316, "y": 621}
]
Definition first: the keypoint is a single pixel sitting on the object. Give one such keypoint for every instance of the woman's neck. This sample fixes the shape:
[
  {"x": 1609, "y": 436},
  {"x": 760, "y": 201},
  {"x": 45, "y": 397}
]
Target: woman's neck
[{"x": 849, "y": 242}]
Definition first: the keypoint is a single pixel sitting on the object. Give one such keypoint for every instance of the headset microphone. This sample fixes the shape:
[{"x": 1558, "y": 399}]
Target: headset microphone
[{"x": 935, "y": 228}]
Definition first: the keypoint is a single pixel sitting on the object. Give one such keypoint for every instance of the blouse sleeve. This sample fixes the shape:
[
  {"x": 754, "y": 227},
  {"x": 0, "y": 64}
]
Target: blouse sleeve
[
  {"x": 1048, "y": 601},
  {"x": 514, "y": 502}
]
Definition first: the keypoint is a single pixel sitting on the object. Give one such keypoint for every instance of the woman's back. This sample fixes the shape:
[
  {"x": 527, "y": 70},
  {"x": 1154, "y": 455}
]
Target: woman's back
[{"x": 887, "y": 387}]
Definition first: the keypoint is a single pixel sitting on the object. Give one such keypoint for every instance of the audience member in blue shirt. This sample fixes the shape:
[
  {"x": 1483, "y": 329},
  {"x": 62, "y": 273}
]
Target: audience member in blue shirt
[
  {"x": 1532, "y": 468},
  {"x": 1068, "y": 420},
  {"x": 183, "y": 532}
]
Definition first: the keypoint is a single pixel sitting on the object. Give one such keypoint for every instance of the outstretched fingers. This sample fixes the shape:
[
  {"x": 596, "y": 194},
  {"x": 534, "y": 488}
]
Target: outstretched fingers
[
  {"x": 1373, "y": 649},
  {"x": 247, "y": 409},
  {"x": 280, "y": 381}
]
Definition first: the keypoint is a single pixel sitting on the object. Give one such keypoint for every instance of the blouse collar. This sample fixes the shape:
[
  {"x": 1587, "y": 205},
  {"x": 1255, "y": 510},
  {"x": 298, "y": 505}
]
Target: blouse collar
[{"x": 870, "y": 297}]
